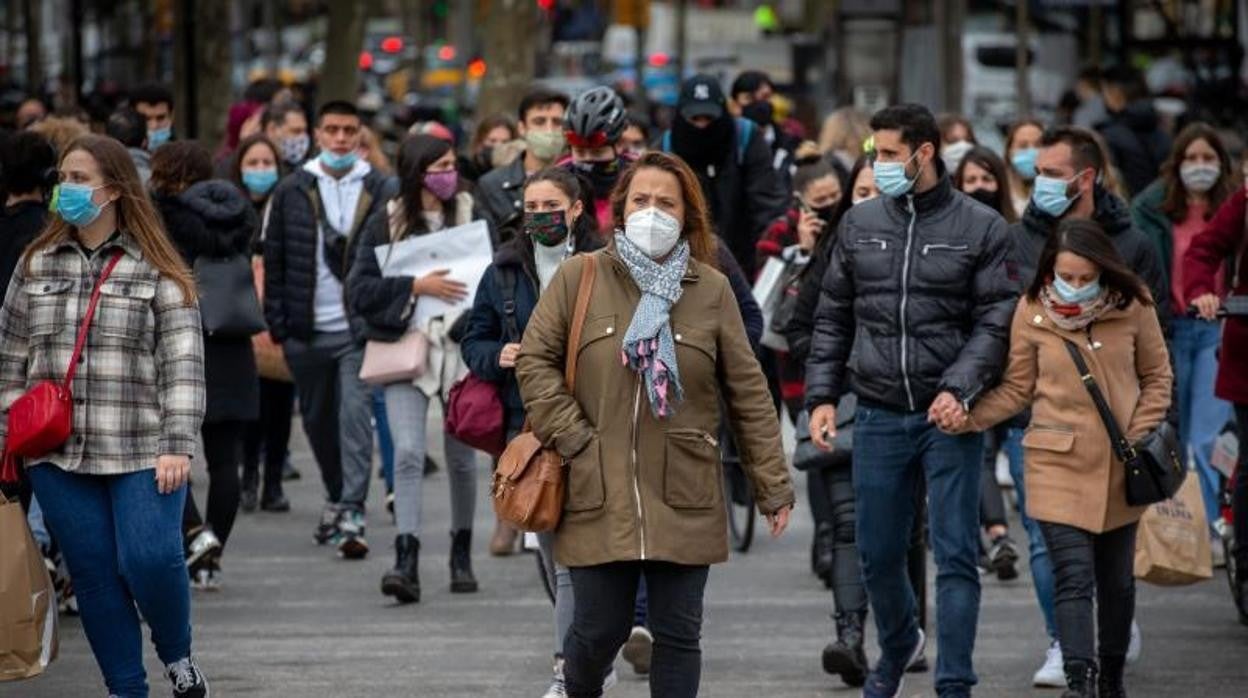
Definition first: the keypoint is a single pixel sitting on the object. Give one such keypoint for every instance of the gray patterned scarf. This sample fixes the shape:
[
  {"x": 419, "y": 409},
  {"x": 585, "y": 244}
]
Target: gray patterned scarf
[{"x": 649, "y": 348}]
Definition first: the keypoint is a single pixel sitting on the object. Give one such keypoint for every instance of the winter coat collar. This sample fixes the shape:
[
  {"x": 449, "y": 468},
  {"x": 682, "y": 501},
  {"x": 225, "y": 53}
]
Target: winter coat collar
[{"x": 1110, "y": 212}]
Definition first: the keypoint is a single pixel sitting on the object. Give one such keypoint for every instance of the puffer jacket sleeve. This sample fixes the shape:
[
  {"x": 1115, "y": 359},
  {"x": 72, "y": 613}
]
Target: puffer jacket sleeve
[
  {"x": 483, "y": 340},
  {"x": 832, "y": 335},
  {"x": 751, "y": 412},
  {"x": 994, "y": 292},
  {"x": 1152, "y": 366},
  {"x": 275, "y": 310},
  {"x": 555, "y": 415},
  {"x": 1018, "y": 384},
  {"x": 1146, "y": 262},
  {"x": 385, "y": 302}
]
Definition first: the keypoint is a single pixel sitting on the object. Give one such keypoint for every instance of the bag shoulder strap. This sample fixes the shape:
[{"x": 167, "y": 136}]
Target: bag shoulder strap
[
  {"x": 1122, "y": 448},
  {"x": 86, "y": 319},
  {"x": 588, "y": 271},
  {"x": 507, "y": 289}
]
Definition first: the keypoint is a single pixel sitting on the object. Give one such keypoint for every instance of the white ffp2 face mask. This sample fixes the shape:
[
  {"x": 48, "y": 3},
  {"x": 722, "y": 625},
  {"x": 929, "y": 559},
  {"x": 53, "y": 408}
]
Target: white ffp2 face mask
[{"x": 652, "y": 231}]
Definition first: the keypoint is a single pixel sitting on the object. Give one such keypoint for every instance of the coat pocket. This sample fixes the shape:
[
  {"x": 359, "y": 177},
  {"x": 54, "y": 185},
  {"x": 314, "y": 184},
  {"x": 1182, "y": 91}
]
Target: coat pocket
[
  {"x": 1055, "y": 439},
  {"x": 124, "y": 313},
  {"x": 691, "y": 476},
  {"x": 46, "y": 300},
  {"x": 586, "y": 490}
]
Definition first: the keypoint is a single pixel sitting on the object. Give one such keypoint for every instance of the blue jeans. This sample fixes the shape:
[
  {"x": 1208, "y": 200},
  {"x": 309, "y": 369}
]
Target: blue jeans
[
  {"x": 1041, "y": 566},
  {"x": 38, "y": 527},
  {"x": 122, "y": 541},
  {"x": 385, "y": 442},
  {"x": 1201, "y": 415},
  {"x": 891, "y": 451}
]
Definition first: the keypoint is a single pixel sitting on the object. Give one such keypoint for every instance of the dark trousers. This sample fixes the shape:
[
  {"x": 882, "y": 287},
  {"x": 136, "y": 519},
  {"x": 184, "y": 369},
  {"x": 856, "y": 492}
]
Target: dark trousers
[
  {"x": 604, "y": 615},
  {"x": 270, "y": 434},
  {"x": 1093, "y": 572},
  {"x": 991, "y": 500},
  {"x": 223, "y": 451},
  {"x": 1239, "y": 494},
  {"x": 847, "y": 588}
]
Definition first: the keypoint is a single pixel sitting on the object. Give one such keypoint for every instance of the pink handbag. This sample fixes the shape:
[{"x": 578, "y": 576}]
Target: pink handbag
[{"x": 395, "y": 362}]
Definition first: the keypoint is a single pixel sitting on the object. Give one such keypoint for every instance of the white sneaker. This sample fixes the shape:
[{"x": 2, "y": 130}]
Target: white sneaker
[
  {"x": 1053, "y": 673},
  {"x": 202, "y": 547},
  {"x": 1133, "y": 648},
  {"x": 557, "y": 687},
  {"x": 1219, "y": 552},
  {"x": 638, "y": 648},
  {"x": 610, "y": 681}
]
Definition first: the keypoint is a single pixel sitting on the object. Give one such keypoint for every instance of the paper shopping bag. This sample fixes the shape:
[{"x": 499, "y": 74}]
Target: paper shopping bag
[
  {"x": 1172, "y": 543},
  {"x": 28, "y": 640}
]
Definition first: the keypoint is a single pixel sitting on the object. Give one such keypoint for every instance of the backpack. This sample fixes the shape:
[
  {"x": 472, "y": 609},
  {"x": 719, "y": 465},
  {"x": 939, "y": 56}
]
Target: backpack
[{"x": 745, "y": 131}]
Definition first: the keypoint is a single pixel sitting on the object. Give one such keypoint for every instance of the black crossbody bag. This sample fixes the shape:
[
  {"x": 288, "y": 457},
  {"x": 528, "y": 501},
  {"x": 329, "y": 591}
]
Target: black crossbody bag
[{"x": 1154, "y": 469}]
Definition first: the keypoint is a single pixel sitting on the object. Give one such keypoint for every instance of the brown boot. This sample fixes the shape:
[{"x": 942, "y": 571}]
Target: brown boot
[{"x": 504, "y": 541}]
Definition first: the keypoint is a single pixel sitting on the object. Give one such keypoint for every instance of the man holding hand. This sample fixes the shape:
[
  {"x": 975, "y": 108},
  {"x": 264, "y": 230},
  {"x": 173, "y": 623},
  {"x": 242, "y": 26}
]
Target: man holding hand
[{"x": 914, "y": 318}]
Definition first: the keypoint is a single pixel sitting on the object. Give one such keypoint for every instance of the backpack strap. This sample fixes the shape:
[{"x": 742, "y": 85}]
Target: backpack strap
[
  {"x": 667, "y": 141},
  {"x": 745, "y": 131},
  {"x": 507, "y": 289}
]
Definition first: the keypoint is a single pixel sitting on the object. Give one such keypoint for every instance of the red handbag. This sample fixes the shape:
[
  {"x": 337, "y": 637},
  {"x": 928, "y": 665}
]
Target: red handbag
[
  {"x": 475, "y": 415},
  {"x": 41, "y": 419}
]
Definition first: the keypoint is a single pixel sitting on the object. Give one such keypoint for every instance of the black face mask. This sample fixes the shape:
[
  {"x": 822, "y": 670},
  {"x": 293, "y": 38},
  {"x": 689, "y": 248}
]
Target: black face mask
[
  {"x": 826, "y": 213},
  {"x": 602, "y": 174},
  {"x": 703, "y": 146},
  {"x": 991, "y": 199},
  {"x": 485, "y": 159},
  {"x": 760, "y": 112}
]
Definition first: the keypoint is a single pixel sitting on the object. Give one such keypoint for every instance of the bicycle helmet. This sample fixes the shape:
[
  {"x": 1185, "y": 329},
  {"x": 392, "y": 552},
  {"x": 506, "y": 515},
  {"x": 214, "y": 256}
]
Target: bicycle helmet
[{"x": 595, "y": 118}]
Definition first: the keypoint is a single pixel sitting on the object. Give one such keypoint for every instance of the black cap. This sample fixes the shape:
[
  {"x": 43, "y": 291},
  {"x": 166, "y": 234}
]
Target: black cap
[{"x": 701, "y": 95}]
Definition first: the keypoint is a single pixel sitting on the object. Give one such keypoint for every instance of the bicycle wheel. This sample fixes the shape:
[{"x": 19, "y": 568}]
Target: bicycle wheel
[{"x": 739, "y": 500}]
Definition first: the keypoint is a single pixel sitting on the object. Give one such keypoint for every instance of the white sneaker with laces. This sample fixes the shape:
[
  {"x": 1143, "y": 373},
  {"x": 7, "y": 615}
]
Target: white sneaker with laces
[
  {"x": 1133, "y": 649},
  {"x": 557, "y": 687},
  {"x": 1053, "y": 673}
]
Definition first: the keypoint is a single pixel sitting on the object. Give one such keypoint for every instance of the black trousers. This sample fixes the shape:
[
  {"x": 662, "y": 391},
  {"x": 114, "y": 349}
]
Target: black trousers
[
  {"x": 223, "y": 450},
  {"x": 270, "y": 434},
  {"x": 604, "y": 616},
  {"x": 1093, "y": 573},
  {"x": 991, "y": 500},
  {"x": 848, "y": 590}
]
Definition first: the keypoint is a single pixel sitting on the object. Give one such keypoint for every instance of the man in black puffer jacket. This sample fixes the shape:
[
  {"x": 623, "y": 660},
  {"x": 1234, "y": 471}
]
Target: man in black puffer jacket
[
  {"x": 914, "y": 318},
  {"x": 315, "y": 216},
  {"x": 1070, "y": 154}
]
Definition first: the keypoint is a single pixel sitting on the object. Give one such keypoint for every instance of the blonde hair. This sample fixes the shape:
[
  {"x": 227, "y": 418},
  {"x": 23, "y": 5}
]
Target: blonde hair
[
  {"x": 135, "y": 213},
  {"x": 845, "y": 130},
  {"x": 61, "y": 131}
]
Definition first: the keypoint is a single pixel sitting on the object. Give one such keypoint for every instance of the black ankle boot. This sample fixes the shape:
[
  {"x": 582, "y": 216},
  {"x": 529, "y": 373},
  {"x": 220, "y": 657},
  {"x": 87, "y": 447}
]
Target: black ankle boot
[
  {"x": 845, "y": 657},
  {"x": 403, "y": 582},
  {"x": 1109, "y": 684},
  {"x": 249, "y": 495},
  {"x": 462, "y": 579},
  {"x": 1080, "y": 679}
]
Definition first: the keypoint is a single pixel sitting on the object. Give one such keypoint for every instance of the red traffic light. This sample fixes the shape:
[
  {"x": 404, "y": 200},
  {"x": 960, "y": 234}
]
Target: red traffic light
[
  {"x": 366, "y": 60},
  {"x": 446, "y": 53},
  {"x": 476, "y": 69},
  {"x": 392, "y": 44}
]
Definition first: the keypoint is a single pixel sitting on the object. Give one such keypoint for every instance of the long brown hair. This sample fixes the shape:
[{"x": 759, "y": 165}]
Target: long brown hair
[
  {"x": 697, "y": 228},
  {"x": 987, "y": 160},
  {"x": 135, "y": 213},
  {"x": 1175, "y": 203},
  {"x": 1087, "y": 239}
]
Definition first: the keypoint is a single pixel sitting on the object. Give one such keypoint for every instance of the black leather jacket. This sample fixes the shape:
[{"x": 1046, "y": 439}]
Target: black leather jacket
[{"x": 917, "y": 299}]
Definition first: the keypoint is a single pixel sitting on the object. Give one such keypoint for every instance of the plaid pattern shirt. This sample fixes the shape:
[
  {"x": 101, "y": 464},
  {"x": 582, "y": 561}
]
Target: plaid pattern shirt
[{"x": 139, "y": 389}]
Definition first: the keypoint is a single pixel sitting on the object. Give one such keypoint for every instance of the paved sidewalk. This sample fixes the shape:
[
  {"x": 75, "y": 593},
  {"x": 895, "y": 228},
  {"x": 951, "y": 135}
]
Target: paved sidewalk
[{"x": 292, "y": 620}]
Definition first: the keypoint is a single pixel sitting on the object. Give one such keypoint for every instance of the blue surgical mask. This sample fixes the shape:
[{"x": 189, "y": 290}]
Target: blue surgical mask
[
  {"x": 1024, "y": 162},
  {"x": 1073, "y": 295},
  {"x": 1049, "y": 195},
  {"x": 74, "y": 204},
  {"x": 158, "y": 137},
  {"x": 334, "y": 161},
  {"x": 259, "y": 181},
  {"x": 891, "y": 179}
]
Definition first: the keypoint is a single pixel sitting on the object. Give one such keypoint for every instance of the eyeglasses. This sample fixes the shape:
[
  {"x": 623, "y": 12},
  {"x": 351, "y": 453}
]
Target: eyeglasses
[{"x": 595, "y": 140}]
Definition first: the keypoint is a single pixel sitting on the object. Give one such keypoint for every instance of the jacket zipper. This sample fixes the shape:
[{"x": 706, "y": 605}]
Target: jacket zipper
[
  {"x": 905, "y": 297},
  {"x": 641, "y": 521},
  {"x": 939, "y": 246}
]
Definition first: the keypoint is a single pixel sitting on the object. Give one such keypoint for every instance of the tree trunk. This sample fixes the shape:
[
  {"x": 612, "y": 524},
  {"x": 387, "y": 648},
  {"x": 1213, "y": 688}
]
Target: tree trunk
[
  {"x": 510, "y": 59},
  {"x": 340, "y": 76},
  {"x": 212, "y": 71}
]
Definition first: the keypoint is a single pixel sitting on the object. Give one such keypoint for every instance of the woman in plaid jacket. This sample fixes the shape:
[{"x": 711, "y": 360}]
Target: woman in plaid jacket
[{"x": 113, "y": 493}]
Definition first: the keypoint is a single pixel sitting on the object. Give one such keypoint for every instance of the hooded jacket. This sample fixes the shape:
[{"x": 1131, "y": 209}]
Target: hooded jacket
[
  {"x": 1136, "y": 143},
  {"x": 214, "y": 219},
  {"x": 1032, "y": 232},
  {"x": 916, "y": 300}
]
